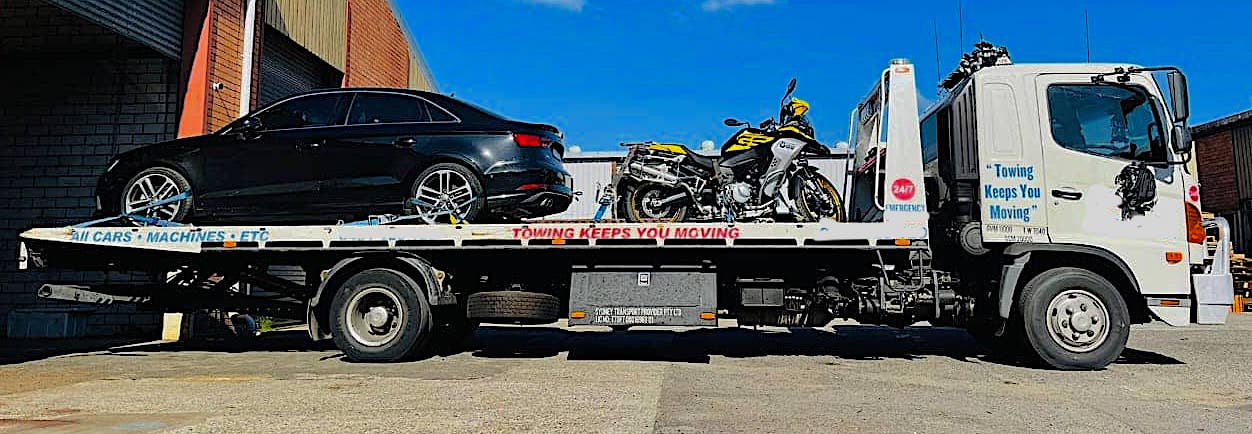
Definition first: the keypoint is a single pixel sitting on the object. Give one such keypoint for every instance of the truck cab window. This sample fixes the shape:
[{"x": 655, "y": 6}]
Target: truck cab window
[{"x": 1106, "y": 120}]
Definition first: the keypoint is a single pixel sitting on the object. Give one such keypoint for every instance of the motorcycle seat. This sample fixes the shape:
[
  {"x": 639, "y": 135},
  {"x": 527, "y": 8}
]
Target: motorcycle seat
[{"x": 701, "y": 160}]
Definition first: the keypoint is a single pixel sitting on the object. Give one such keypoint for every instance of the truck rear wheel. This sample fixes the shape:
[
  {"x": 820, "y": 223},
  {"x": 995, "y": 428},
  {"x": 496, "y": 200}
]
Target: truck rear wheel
[
  {"x": 380, "y": 315},
  {"x": 1073, "y": 319},
  {"x": 513, "y": 307}
]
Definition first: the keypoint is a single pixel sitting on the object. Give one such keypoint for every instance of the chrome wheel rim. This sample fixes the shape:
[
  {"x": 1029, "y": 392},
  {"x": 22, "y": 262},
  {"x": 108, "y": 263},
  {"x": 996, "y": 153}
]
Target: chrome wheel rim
[
  {"x": 445, "y": 191},
  {"x": 1078, "y": 320},
  {"x": 374, "y": 316},
  {"x": 149, "y": 189}
]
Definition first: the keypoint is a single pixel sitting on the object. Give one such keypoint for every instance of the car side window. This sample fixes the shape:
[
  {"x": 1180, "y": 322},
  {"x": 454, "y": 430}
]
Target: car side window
[
  {"x": 438, "y": 114},
  {"x": 1106, "y": 120},
  {"x": 319, "y": 110},
  {"x": 386, "y": 108}
]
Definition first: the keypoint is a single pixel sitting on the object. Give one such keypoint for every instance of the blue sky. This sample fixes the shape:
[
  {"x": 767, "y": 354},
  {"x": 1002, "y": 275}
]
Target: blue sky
[{"x": 607, "y": 71}]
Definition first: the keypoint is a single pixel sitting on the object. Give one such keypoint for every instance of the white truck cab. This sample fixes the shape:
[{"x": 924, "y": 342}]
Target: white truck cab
[{"x": 1071, "y": 177}]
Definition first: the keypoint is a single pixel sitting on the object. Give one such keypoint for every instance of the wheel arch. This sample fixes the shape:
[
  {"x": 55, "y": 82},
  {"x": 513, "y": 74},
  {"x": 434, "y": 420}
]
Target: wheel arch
[
  {"x": 427, "y": 278},
  {"x": 1031, "y": 259}
]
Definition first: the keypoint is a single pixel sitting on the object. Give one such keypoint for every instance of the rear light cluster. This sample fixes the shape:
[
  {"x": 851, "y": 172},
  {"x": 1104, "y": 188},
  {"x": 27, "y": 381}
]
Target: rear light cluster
[
  {"x": 1195, "y": 224},
  {"x": 530, "y": 140}
]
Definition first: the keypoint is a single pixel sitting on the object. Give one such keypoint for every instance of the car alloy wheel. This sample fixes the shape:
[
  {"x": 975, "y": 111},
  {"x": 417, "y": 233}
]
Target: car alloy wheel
[
  {"x": 149, "y": 188},
  {"x": 445, "y": 191}
]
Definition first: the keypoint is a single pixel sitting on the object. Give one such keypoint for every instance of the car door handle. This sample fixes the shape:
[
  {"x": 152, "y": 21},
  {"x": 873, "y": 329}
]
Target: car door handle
[
  {"x": 1067, "y": 194},
  {"x": 405, "y": 142},
  {"x": 310, "y": 146}
]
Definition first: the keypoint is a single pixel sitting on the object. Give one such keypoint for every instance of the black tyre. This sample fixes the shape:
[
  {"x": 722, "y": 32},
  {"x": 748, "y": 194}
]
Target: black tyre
[
  {"x": 816, "y": 198},
  {"x": 513, "y": 307},
  {"x": 447, "y": 189},
  {"x": 640, "y": 205},
  {"x": 155, "y": 184},
  {"x": 1073, "y": 319},
  {"x": 380, "y": 315}
]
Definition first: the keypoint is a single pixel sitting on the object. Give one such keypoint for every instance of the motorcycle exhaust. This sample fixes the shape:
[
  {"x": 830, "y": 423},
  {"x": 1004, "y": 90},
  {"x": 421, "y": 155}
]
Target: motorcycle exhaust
[{"x": 649, "y": 173}]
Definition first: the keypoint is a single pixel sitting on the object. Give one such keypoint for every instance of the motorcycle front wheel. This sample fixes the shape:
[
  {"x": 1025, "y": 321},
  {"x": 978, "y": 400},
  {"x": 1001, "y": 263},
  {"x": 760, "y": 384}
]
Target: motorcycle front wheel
[
  {"x": 816, "y": 198},
  {"x": 642, "y": 204}
]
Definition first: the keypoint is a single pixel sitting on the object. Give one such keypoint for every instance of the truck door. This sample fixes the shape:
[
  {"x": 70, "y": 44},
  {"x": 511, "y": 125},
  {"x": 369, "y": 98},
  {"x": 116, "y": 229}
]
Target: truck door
[{"x": 1089, "y": 133}]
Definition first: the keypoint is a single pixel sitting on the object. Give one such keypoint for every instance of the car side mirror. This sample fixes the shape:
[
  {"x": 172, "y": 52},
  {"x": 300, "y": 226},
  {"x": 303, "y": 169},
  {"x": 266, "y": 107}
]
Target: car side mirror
[
  {"x": 248, "y": 125},
  {"x": 248, "y": 128},
  {"x": 732, "y": 122}
]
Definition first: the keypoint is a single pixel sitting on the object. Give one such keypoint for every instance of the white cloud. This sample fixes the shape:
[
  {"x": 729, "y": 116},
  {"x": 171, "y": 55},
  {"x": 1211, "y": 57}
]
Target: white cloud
[
  {"x": 717, "y": 5},
  {"x": 573, "y": 5}
]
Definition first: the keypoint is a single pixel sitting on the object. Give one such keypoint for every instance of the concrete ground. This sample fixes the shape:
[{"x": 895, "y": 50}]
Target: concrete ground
[{"x": 554, "y": 379}]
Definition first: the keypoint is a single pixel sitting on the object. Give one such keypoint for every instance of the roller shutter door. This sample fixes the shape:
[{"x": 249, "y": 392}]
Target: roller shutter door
[
  {"x": 287, "y": 68},
  {"x": 155, "y": 23}
]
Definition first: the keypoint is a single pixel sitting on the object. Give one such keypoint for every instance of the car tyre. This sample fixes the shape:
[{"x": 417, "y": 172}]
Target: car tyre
[
  {"x": 152, "y": 184},
  {"x": 1073, "y": 319},
  {"x": 448, "y": 186},
  {"x": 381, "y": 315}
]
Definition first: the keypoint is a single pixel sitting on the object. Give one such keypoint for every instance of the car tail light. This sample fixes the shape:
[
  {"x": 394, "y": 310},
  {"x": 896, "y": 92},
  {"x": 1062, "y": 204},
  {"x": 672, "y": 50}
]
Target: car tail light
[
  {"x": 1195, "y": 225},
  {"x": 528, "y": 140}
]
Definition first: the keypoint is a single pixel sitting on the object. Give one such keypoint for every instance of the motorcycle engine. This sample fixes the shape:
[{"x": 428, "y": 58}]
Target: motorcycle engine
[{"x": 740, "y": 192}]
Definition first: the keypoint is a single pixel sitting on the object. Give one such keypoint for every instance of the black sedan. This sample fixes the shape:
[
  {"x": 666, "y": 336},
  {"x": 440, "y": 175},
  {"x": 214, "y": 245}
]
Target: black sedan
[{"x": 346, "y": 154}]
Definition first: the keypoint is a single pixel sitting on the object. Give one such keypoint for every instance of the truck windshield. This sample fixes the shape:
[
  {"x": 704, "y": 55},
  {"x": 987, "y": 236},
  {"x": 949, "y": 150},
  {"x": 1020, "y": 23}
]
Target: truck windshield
[{"x": 1108, "y": 120}]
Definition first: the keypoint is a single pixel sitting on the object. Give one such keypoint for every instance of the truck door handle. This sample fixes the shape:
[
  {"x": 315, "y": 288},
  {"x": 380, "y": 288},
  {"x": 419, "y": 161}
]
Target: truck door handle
[
  {"x": 405, "y": 142},
  {"x": 1067, "y": 194}
]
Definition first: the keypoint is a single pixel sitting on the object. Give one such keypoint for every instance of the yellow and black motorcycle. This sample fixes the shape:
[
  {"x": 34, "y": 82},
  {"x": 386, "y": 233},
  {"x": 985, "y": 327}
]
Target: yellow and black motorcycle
[{"x": 761, "y": 174}]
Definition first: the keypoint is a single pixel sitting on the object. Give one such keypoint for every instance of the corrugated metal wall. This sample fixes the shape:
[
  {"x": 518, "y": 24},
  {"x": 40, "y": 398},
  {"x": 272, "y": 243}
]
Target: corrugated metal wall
[
  {"x": 154, "y": 23},
  {"x": 419, "y": 75},
  {"x": 589, "y": 178},
  {"x": 317, "y": 25},
  {"x": 1242, "y": 140}
]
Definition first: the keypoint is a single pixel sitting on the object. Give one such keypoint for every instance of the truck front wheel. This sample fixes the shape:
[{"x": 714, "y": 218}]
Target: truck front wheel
[
  {"x": 380, "y": 315},
  {"x": 1074, "y": 319}
]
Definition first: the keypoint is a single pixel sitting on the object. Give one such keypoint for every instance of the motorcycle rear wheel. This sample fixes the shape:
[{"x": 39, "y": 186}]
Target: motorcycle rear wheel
[
  {"x": 639, "y": 208},
  {"x": 816, "y": 198}
]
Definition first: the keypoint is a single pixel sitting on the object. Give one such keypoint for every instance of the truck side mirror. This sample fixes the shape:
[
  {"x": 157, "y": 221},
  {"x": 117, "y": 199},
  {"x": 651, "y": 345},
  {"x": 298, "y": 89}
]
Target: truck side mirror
[
  {"x": 1181, "y": 138},
  {"x": 1178, "y": 95}
]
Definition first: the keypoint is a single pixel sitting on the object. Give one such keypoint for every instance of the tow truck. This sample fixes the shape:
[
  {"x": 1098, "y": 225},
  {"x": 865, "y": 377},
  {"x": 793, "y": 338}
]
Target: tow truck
[{"x": 1045, "y": 208}]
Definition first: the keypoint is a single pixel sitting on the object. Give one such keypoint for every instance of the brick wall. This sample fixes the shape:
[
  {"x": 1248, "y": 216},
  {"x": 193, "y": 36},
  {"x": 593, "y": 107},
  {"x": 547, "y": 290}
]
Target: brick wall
[
  {"x": 378, "y": 52},
  {"x": 74, "y": 95},
  {"x": 225, "y": 62},
  {"x": 1215, "y": 159}
]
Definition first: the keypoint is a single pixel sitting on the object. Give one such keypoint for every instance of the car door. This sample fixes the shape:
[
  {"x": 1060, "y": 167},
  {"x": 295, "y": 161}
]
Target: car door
[
  {"x": 272, "y": 172},
  {"x": 368, "y": 165},
  {"x": 1091, "y": 132}
]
